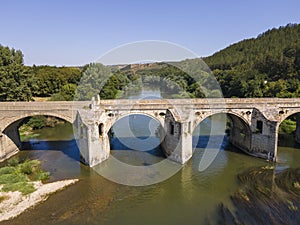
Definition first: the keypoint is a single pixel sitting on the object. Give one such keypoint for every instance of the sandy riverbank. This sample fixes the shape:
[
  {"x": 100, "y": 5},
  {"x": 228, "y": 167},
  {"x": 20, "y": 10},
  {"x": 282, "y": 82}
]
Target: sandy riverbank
[{"x": 14, "y": 203}]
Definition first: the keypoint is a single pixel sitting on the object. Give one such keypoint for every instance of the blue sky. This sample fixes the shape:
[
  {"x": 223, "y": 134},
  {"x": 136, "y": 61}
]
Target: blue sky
[{"x": 70, "y": 32}]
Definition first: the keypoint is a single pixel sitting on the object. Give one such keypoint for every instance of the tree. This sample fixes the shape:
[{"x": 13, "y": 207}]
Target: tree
[
  {"x": 14, "y": 78},
  {"x": 66, "y": 93},
  {"x": 93, "y": 81}
]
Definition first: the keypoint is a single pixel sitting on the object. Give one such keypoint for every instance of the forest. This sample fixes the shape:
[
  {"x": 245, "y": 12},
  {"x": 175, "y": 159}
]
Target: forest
[{"x": 265, "y": 66}]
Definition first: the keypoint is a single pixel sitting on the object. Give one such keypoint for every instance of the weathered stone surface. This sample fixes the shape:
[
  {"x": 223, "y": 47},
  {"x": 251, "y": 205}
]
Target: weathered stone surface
[{"x": 254, "y": 123}]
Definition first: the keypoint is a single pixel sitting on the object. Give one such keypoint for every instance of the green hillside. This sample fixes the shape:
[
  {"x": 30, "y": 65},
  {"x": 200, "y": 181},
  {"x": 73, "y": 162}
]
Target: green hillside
[{"x": 266, "y": 66}]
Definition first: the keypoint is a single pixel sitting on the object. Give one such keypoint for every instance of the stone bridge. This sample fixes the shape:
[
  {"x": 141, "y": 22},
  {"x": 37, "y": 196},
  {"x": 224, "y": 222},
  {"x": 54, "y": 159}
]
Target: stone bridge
[{"x": 253, "y": 122}]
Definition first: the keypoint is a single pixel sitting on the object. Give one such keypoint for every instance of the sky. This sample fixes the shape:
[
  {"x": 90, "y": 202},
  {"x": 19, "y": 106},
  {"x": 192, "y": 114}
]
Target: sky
[{"x": 74, "y": 33}]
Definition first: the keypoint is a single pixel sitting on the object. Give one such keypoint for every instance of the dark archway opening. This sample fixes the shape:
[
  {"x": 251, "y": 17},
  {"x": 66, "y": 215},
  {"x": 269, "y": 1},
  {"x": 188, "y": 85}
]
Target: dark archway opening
[
  {"x": 288, "y": 146},
  {"x": 230, "y": 133},
  {"x": 288, "y": 135},
  {"x": 135, "y": 140}
]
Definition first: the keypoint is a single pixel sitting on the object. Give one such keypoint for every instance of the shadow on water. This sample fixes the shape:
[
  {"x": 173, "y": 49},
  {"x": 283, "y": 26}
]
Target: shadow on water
[
  {"x": 287, "y": 140},
  {"x": 218, "y": 141},
  {"x": 67, "y": 147},
  {"x": 121, "y": 144}
]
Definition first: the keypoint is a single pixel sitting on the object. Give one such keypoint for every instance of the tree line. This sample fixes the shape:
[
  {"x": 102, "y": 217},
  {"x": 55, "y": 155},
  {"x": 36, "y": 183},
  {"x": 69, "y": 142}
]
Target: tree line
[{"x": 266, "y": 66}]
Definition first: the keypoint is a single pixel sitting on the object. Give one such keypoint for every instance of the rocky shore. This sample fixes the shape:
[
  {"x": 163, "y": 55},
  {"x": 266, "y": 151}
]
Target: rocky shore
[{"x": 14, "y": 203}]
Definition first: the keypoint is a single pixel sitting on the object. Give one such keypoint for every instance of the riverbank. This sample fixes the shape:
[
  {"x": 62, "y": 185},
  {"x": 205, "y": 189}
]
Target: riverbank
[{"x": 14, "y": 203}]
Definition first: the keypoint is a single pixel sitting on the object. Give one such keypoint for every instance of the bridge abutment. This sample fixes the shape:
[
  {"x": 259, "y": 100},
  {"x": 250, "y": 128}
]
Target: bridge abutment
[
  {"x": 7, "y": 147},
  {"x": 10, "y": 142}
]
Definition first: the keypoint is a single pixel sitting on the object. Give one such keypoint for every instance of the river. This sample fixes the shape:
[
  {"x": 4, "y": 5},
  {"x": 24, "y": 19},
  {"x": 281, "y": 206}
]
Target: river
[{"x": 189, "y": 197}]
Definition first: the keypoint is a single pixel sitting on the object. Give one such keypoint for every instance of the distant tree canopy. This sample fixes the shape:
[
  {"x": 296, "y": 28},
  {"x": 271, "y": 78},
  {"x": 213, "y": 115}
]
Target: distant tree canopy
[
  {"x": 15, "y": 82},
  {"x": 266, "y": 66},
  {"x": 49, "y": 80}
]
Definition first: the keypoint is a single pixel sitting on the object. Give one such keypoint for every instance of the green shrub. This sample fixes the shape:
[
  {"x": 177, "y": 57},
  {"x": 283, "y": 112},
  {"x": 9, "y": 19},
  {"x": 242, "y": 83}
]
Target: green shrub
[
  {"x": 18, "y": 178},
  {"x": 7, "y": 170},
  {"x": 41, "y": 175},
  {"x": 24, "y": 187},
  {"x": 37, "y": 122},
  {"x": 26, "y": 168},
  {"x": 12, "y": 178},
  {"x": 13, "y": 161}
]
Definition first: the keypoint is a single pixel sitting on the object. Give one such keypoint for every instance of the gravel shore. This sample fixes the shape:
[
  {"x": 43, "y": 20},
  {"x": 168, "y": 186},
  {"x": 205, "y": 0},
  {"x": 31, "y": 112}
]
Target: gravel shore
[{"x": 14, "y": 203}]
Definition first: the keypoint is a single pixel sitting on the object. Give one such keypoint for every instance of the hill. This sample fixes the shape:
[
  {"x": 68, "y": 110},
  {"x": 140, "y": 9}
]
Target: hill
[{"x": 266, "y": 66}]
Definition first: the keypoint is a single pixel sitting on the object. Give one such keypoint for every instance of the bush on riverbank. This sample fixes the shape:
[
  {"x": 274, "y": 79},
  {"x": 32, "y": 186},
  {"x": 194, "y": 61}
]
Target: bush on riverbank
[
  {"x": 287, "y": 126},
  {"x": 37, "y": 123},
  {"x": 18, "y": 176}
]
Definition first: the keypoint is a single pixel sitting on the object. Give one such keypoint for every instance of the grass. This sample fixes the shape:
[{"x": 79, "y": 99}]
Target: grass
[{"x": 18, "y": 176}]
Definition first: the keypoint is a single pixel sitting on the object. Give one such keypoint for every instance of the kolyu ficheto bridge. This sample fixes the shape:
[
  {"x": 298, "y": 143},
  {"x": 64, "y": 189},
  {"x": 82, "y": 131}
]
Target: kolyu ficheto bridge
[{"x": 254, "y": 123}]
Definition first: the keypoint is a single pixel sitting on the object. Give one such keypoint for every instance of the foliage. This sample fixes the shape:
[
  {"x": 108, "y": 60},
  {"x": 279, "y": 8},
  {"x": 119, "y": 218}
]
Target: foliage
[
  {"x": 49, "y": 80},
  {"x": 24, "y": 187},
  {"x": 66, "y": 93},
  {"x": 98, "y": 79},
  {"x": 266, "y": 66},
  {"x": 13, "y": 161},
  {"x": 38, "y": 122},
  {"x": 288, "y": 126},
  {"x": 7, "y": 170},
  {"x": 15, "y": 82},
  {"x": 20, "y": 176}
]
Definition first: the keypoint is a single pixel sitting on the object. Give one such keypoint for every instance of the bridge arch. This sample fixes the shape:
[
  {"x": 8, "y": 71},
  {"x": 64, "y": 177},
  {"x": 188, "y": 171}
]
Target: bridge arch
[
  {"x": 201, "y": 116},
  {"x": 133, "y": 131},
  {"x": 284, "y": 114},
  {"x": 10, "y": 142},
  {"x": 290, "y": 115},
  {"x": 115, "y": 117},
  {"x": 235, "y": 125},
  {"x": 22, "y": 116}
]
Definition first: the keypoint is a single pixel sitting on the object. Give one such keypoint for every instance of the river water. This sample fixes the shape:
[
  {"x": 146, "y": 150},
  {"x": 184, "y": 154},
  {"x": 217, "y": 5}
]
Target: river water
[{"x": 189, "y": 197}]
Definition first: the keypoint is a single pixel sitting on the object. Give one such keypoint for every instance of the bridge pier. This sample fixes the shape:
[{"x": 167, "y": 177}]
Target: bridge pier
[
  {"x": 94, "y": 147},
  {"x": 176, "y": 141},
  {"x": 264, "y": 136}
]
